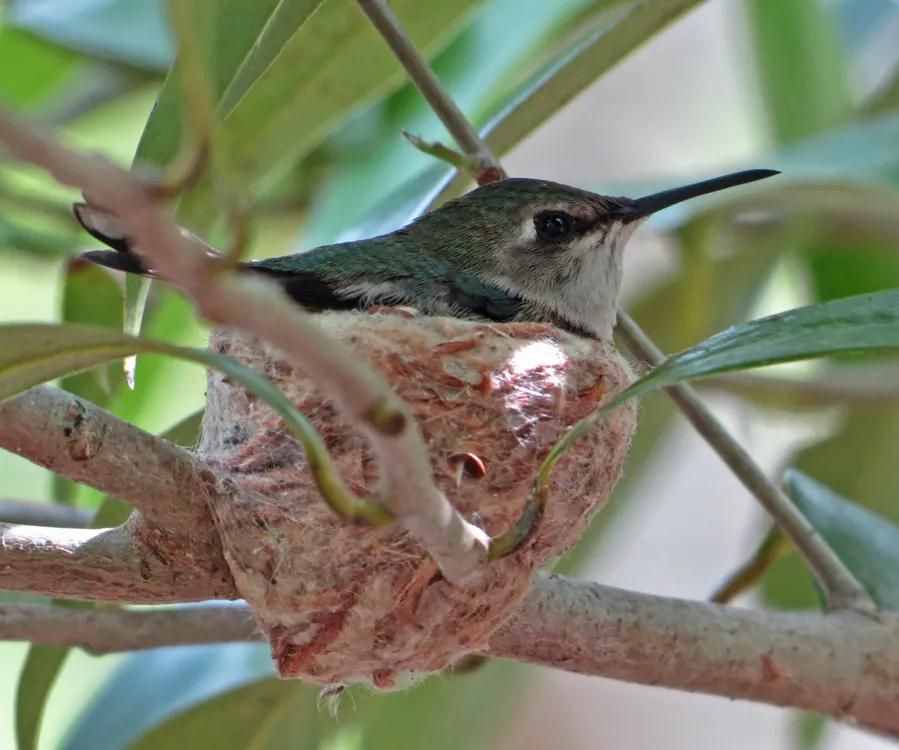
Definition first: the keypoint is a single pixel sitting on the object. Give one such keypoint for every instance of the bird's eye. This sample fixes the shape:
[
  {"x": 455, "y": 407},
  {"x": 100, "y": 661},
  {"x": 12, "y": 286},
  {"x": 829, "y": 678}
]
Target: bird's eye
[{"x": 553, "y": 225}]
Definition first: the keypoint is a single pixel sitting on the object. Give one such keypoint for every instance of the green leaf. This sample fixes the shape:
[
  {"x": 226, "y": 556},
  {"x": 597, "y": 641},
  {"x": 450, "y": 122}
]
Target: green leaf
[
  {"x": 854, "y": 324},
  {"x": 269, "y": 713},
  {"x": 120, "y": 30},
  {"x": 151, "y": 686},
  {"x": 805, "y": 93},
  {"x": 42, "y": 665},
  {"x": 186, "y": 431},
  {"x": 284, "y": 20},
  {"x": 33, "y": 353},
  {"x": 273, "y": 124},
  {"x": 865, "y": 541},
  {"x": 231, "y": 47},
  {"x": 41, "y": 69},
  {"x": 91, "y": 296}
]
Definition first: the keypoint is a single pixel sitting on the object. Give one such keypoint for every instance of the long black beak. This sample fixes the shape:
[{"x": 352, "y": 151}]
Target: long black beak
[{"x": 642, "y": 207}]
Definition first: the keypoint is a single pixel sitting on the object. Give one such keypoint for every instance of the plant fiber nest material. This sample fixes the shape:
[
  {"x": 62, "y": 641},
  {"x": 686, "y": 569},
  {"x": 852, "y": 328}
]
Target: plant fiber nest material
[{"x": 343, "y": 603}]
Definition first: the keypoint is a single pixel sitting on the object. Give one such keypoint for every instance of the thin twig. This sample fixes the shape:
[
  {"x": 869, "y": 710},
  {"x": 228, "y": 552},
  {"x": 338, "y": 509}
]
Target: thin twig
[
  {"x": 260, "y": 307},
  {"x": 842, "y": 589},
  {"x": 109, "y": 630},
  {"x": 385, "y": 21}
]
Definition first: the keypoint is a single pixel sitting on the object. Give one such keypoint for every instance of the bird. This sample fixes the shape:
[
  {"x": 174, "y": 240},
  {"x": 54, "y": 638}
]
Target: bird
[{"x": 518, "y": 249}]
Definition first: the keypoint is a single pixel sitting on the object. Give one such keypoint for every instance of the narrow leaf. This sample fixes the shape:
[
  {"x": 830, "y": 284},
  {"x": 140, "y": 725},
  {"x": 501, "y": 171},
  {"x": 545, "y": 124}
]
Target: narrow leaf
[
  {"x": 245, "y": 718},
  {"x": 865, "y": 541},
  {"x": 39, "y": 672},
  {"x": 853, "y": 324}
]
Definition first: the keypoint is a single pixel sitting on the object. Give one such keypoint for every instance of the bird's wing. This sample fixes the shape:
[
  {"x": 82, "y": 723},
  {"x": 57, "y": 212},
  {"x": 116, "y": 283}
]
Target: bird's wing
[{"x": 321, "y": 280}]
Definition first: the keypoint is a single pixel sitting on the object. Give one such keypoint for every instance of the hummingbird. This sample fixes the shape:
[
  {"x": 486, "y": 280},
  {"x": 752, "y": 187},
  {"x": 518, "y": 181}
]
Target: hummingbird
[{"x": 519, "y": 249}]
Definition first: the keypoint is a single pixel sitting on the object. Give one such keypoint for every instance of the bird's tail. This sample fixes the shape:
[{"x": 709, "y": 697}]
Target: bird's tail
[{"x": 103, "y": 226}]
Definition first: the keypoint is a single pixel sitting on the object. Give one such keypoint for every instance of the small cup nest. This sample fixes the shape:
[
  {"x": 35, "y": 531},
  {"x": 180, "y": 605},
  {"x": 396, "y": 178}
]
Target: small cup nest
[{"x": 343, "y": 603}]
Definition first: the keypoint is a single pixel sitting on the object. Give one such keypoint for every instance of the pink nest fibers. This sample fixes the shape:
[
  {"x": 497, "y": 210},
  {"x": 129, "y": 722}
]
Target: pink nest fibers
[{"x": 343, "y": 603}]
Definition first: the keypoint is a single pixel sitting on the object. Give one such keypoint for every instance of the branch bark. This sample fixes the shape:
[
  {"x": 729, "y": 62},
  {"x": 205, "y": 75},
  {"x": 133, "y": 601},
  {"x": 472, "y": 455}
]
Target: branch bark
[
  {"x": 173, "y": 536},
  {"x": 125, "y": 564},
  {"x": 105, "y": 631},
  {"x": 842, "y": 664},
  {"x": 87, "y": 444}
]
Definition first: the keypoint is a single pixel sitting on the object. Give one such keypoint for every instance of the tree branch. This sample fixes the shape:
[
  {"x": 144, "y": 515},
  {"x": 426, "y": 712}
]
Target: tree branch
[
  {"x": 843, "y": 591},
  {"x": 261, "y": 308},
  {"x": 104, "y": 631},
  {"x": 842, "y": 664},
  {"x": 87, "y": 444},
  {"x": 174, "y": 534},
  {"x": 487, "y": 168},
  {"x": 120, "y": 564}
]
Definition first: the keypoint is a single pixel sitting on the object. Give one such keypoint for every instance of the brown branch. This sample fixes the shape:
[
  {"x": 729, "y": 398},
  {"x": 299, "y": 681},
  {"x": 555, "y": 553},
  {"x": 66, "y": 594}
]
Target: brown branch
[
  {"x": 174, "y": 534},
  {"x": 104, "y": 631},
  {"x": 261, "y": 308},
  {"x": 841, "y": 664},
  {"x": 842, "y": 589},
  {"x": 87, "y": 444},
  {"x": 35, "y": 513},
  {"x": 125, "y": 564}
]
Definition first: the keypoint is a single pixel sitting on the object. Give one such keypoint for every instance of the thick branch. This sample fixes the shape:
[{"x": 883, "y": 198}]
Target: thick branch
[
  {"x": 261, "y": 308},
  {"x": 81, "y": 441},
  {"x": 840, "y": 586},
  {"x": 120, "y": 564},
  {"x": 104, "y": 631},
  {"x": 842, "y": 664},
  {"x": 174, "y": 534}
]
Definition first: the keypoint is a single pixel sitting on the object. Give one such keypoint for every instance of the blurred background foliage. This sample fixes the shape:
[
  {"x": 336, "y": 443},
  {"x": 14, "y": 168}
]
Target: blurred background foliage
[{"x": 309, "y": 106}]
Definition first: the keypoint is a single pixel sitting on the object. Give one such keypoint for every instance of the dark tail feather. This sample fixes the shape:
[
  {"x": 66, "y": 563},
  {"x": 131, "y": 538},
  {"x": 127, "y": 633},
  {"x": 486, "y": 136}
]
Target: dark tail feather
[
  {"x": 119, "y": 260},
  {"x": 105, "y": 227},
  {"x": 102, "y": 226}
]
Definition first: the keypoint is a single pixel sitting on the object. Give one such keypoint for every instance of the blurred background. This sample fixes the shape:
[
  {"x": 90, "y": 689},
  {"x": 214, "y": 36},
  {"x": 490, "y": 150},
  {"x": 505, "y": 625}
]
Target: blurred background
[{"x": 809, "y": 87}]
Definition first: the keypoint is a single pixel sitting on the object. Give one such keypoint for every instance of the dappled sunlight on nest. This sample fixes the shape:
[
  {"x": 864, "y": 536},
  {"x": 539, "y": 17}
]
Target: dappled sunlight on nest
[{"x": 345, "y": 603}]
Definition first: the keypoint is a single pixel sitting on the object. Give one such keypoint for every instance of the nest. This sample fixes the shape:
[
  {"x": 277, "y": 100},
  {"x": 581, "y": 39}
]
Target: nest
[{"x": 343, "y": 603}]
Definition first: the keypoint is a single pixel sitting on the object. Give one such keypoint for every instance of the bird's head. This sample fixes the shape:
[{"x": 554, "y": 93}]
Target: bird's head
[{"x": 556, "y": 246}]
